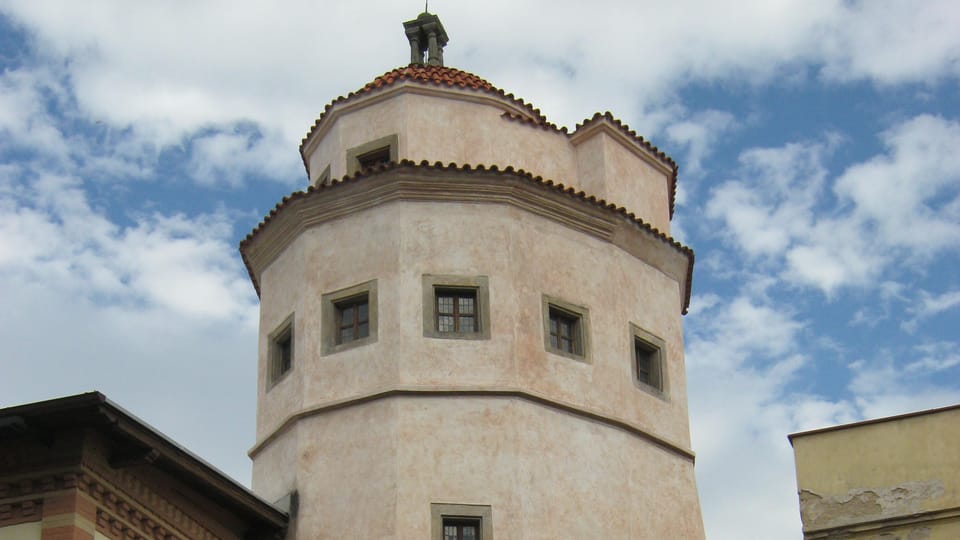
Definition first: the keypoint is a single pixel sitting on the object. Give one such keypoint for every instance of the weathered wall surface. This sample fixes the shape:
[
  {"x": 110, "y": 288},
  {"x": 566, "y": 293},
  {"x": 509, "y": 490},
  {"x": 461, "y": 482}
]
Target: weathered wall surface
[
  {"x": 899, "y": 477},
  {"x": 455, "y": 126},
  {"x": 524, "y": 257},
  {"x": 373, "y": 472},
  {"x": 372, "y": 469}
]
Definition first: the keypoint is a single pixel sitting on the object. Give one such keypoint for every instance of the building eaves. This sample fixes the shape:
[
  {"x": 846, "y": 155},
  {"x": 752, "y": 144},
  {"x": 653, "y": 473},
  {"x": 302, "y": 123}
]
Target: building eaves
[
  {"x": 517, "y": 173},
  {"x": 94, "y": 410},
  {"x": 871, "y": 421},
  {"x": 631, "y": 134}
]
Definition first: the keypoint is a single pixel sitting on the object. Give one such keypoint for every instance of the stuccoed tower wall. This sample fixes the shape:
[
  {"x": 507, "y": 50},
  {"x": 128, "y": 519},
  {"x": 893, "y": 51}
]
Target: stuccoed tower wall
[{"x": 384, "y": 436}]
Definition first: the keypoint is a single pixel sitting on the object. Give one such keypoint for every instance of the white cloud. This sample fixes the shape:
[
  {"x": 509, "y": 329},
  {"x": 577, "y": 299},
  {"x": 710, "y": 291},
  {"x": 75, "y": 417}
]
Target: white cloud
[
  {"x": 773, "y": 202},
  {"x": 910, "y": 193},
  {"x": 50, "y": 234},
  {"x": 891, "y": 42},
  {"x": 930, "y": 305},
  {"x": 742, "y": 356},
  {"x": 884, "y": 387},
  {"x": 935, "y": 357},
  {"x": 227, "y": 65},
  {"x": 227, "y": 158},
  {"x": 902, "y": 202},
  {"x": 699, "y": 133}
]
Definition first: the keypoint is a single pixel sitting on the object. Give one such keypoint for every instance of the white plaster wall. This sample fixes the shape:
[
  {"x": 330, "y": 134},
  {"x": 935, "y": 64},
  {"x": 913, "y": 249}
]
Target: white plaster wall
[
  {"x": 636, "y": 185},
  {"x": 457, "y": 129},
  {"x": 373, "y": 471},
  {"x": 524, "y": 257}
]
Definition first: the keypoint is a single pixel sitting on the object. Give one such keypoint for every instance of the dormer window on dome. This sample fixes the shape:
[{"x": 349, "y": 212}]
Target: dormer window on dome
[{"x": 426, "y": 36}]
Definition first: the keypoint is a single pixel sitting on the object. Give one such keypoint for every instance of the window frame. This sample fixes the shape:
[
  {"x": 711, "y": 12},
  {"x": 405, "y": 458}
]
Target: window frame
[
  {"x": 479, "y": 285},
  {"x": 324, "y": 177},
  {"x": 332, "y": 303},
  {"x": 282, "y": 334},
  {"x": 441, "y": 512},
  {"x": 581, "y": 317},
  {"x": 657, "y": 348},
  {"x": 355, "y": 155}
]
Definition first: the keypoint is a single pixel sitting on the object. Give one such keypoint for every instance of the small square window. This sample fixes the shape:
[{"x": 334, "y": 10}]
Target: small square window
[
  {"x": 456, "y": 307},
  {"x": 648, "y": 361},
  {"x": 565, "y": 328},
  {"x": 353, "y": 318},
  {"x": 373, "y": 153},
  {"x": 349, "y": 317},
  {"x": 461, "y": 522},
  {"x": 565, "y": 331},
  {"x": 456, "y": 310},
  {"x": 461, "y": 529},
  {"x": 280, "y": 352},
  {"x": 373, "y": 158}
]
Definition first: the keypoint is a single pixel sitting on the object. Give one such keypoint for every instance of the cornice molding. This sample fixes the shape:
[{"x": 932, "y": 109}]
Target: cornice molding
[
  {"x": 487, "y": 392},
  {"x": 590, "y": 130},
  {"x": 408, "y": 181}
]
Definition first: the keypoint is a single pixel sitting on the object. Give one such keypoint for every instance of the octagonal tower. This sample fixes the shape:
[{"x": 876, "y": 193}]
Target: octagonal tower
[{"x": 471, "y": 321}]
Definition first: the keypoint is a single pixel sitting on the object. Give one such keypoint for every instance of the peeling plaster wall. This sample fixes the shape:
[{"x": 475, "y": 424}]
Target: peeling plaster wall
[{"x": 886, "y": 480}]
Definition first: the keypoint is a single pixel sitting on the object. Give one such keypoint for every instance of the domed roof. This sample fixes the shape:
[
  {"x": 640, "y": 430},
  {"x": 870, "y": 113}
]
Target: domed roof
[{"x": 438, "y": 76}]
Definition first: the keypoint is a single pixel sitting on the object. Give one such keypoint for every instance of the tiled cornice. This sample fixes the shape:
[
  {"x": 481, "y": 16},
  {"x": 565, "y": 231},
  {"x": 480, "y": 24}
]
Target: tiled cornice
[
  {"x": 464, "y": 183},
  {"x": 608, "y": 120}
]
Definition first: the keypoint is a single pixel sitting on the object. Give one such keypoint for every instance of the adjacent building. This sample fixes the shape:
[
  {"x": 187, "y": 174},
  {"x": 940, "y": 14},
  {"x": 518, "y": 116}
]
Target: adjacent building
[
  {"x": 470, "y": 321},
  {"x": 895, "y": 478},
  {"x": 82, "y": 468}
]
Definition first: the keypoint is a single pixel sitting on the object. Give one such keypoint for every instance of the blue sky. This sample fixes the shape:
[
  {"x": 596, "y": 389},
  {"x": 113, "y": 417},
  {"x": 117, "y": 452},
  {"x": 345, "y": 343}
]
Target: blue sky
[{"x": 819, "y": 186}]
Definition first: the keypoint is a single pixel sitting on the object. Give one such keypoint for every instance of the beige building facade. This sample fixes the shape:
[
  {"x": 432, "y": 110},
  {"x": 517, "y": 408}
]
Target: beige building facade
[
  {"x": 470, "y": 322},
  {"x": 894, "y": 478}
]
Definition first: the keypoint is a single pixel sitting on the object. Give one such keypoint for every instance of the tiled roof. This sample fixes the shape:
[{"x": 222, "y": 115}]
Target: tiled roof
[
  {"x": 667, "y": 160},
  {"x": 546, "y": 183},
  {"x": 455, "y": 78},
  {"x": 427, "y": 75}
]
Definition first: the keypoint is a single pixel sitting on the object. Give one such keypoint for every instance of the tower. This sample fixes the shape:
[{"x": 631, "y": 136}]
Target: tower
[{"x": 471, "y": 321}]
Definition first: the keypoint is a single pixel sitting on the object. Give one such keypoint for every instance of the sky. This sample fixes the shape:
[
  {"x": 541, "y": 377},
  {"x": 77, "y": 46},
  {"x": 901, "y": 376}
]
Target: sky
[{"x": 819, "y": 151}]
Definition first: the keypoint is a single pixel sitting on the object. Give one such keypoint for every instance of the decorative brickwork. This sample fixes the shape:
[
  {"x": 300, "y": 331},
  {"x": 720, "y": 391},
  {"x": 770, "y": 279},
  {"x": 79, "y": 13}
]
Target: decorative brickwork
[{"x": 22, "y": 511}]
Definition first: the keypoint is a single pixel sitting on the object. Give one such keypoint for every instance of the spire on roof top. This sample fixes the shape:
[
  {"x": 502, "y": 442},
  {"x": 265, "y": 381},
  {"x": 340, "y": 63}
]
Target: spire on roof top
[{"x": 426, "y": 35}]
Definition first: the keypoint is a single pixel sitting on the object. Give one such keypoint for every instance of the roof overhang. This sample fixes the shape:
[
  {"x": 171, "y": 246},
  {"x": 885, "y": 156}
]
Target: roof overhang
[{"x": 408, "y": 181}]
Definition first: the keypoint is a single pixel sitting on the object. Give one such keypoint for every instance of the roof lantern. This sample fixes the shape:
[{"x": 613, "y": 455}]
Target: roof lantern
[{"x": 426, "y": 35}]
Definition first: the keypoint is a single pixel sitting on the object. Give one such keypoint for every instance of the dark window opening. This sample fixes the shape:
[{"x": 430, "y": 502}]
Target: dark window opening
[
  {"x": 353, "y": 319},
  {"x": 565, "y": 331},
  {"x": 461, "y": 529},
  {"x": 374, "y": 157},
  {"x": 647, "y": 357}
]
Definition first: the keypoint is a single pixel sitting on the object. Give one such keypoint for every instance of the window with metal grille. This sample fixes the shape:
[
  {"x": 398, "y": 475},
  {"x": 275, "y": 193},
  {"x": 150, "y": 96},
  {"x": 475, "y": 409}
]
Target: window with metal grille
[
  {"x": 461, "y": 522},
  {"x": 456, "y": 307},
  {"x": 461, "y": 529},
  {"x": 456, "y": 310}
]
